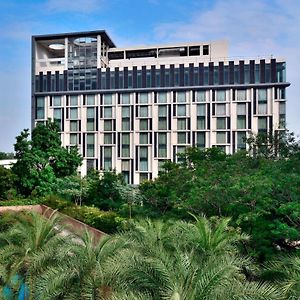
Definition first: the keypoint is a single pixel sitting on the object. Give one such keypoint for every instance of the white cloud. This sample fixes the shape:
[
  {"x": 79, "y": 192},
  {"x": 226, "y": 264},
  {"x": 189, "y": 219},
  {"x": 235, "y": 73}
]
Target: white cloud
[
  {"x": 84, "y": 6},
  {"x": 253, "y": 28}
]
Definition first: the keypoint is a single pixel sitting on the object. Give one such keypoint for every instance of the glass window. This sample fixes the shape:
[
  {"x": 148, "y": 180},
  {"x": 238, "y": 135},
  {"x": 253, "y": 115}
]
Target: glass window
[
  {"x": 56, "y": 101},
  {"x": 126, "y": 124},
  {"x": 107, "y": 138},
  {"x": 201, "y": 139},
  {"x": 90, "y": 143},
  {"x": 143, "y": 158},
  {"x": 143, "y": 177},
  {"x": 73, "y": 100},
  {"x": 241, "y": 136},
  {"x": 107, "y": 125},
  {"x": 241, "y": 95},
  {"x": 181, "y": 137},
  {"x": 221, "y": 137},
  {"x": 125, "y": 112},
  {"x": 181, "y": 97},
  {"x": 201, "y": 123},
  {"x": 181, "y": 110},
  {"x": 162, "y": 145},
  {"x": 90, "y": 100},
  {"x": 125, "y": 98},
  {"x": 162, "y": 111},
  {"x": 220, "y": 109},
  {"x": 90, "y": 125},
  {"x": 143, "y": 138},
  {"x": 262, "y": 108},
  {"x": 107, "y": 99},
  {"x": 125, "y": 145},
  {"x": 143, "y": 97},
  {"x": 162, "y": 97},
  {"x": 220, "y": 96},
  {"x": 241, "y": 109},
  {"x": 281, "y": 73},
  {"x": 143, "y": 124},
  {"x": 241, "y": 122},
  {"x": 73, "y": 113},
  {"x": 107, "y": 158},
  {"x": 107, "y": 112},
  {"x": 125, "y": 166},
  {"x": 162, "y": 123},
  {"x": 200, "y": 96},
  {"x": 181, "y": 124},
  {"x": 73, "y": 126},
  {"x": 262, "y": 94},
  {"x": 262, "y": 123},
  {"x": 144, "y": 111},
  {"x": 282, "y": 108},
  {"x": 90, "y": 113},
  {"x": 40, "y": 107},
  {"x": 201, "y": 110},
  {"x": 73, "y": 139},
  {"x": 221, "y": 123}
]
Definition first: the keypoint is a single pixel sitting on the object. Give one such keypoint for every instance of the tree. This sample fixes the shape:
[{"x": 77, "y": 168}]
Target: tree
[
  {"x": 43, "y": 159},
  {"x": 103, "y": 189},
  {"x": 4, "y": 155},
  {"x": 7, "y": 179}
]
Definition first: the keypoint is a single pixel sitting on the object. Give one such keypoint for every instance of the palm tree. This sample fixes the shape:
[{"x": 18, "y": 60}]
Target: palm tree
[
  {"x": 163, "y": 264},
  {"x": 285, "y": 271},
  {"x": 29, "y": 247},
  {"x": 84, "y": 272}
]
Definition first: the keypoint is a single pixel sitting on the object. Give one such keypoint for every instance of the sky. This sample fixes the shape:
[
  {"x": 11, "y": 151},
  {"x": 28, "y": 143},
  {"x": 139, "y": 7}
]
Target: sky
[{"x": 256, "y": 28}]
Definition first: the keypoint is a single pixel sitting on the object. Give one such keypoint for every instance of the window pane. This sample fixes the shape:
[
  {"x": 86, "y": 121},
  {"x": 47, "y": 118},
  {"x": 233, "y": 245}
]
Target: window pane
[
  {"x": 221, "y": 137},
  {"x": 241, "y": 95},
  {"x": 162, "y": 111},
  {"x": 282, "y": 108},
  {"x": 262, "y": 108},
  {"x": 241, "y": 140},
  {"x": 125, "y": 111},
  {"x": 201, "y": 110},
  {"x": 162, "y": 123},
  {"x": 73, "y": 100},
  {"x": 220, "y": 96},
  {"x": 241, "y": 122},
  {"x": 90, "y": 100},
  {"x": 107, "y": 125},
  {"x": 181, "y": 137},
  {"x": 143, "y": 98},
  {"x": 73, "y": 139},
  {"x": 181, "y": 110},
  {"x": 162, "y": 97},
  {"x": 201, "y": 123},
  {"x": 262, "y": 123},
  {"x": 125, "y": 98},
  {"x": 107, "y": 99},
  {"x": 126, "y": 124},
  {"x": 201, "y": 139},
  {"x": 107, "y": 138},
  {"x": 144, "y": 111},
  {"x": 90, "y": 125},
  {"x": 181, "y": 97},
  {"x": 200, "y": 96},
  {"x": 143, "y": 124},
  {"x": 107, "y": 112},
  {"x": 56, "y": 101},
  {"x": 220, "y": 109},
  {"x": 181, "y": 124},
  {"x": 241, "y": 109},
  {"x": 73, "y": 113},
  {"x": 73, "y": 126},
  {"x": 143, "y": 138},
  {"x": 221, "y": 123},
  {"x": 90, "y": 113},
  {"x": 262, "y": 94}
]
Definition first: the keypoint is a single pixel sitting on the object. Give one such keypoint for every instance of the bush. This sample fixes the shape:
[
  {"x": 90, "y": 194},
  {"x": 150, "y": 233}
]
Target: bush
[
  {"x": 17, "y": 202},
  {"x": 106, "y": 221},
  {"x": 56, "y": 202}
]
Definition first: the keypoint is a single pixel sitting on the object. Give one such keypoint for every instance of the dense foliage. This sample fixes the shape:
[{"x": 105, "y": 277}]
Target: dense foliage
[{"x": 152, "y": 260}]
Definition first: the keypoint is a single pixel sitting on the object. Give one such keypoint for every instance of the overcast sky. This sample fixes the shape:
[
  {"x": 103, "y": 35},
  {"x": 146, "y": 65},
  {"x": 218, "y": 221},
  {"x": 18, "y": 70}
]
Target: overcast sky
[{"x": 253, "y": 28}]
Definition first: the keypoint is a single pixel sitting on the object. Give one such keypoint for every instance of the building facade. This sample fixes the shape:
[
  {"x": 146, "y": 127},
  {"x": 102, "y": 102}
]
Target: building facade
[{"x": 131, "y": 109}]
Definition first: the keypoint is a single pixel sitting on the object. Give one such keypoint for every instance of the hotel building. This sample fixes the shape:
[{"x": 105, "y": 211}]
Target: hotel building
[{"x": 131, "y": 109}]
